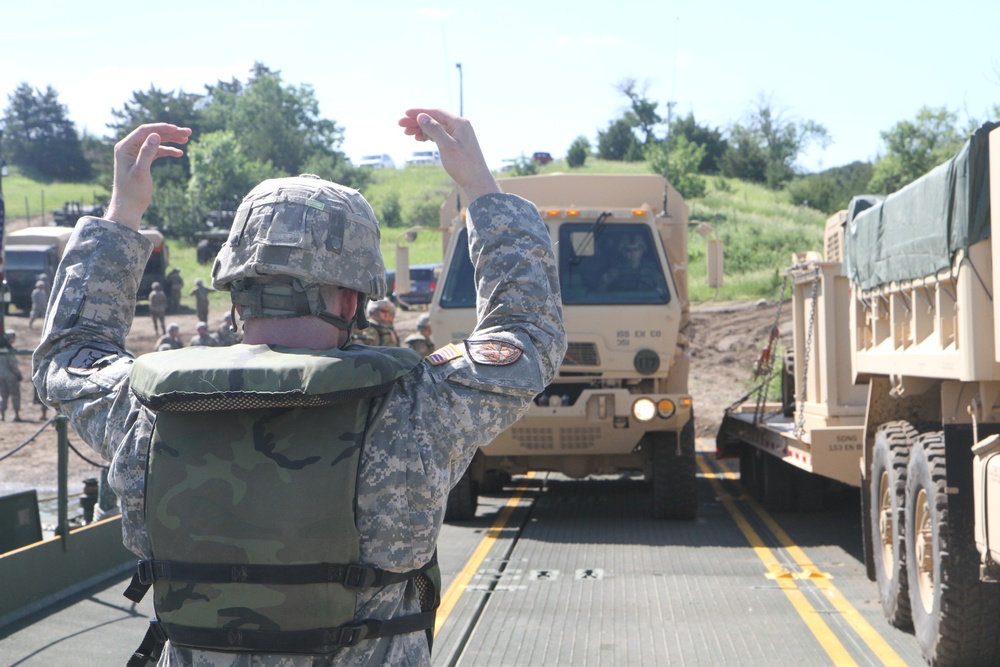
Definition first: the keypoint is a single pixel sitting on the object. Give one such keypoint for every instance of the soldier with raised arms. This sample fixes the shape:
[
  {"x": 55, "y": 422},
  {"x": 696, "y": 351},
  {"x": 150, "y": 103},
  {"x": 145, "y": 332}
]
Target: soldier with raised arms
[{"x": 285, "y": 495}]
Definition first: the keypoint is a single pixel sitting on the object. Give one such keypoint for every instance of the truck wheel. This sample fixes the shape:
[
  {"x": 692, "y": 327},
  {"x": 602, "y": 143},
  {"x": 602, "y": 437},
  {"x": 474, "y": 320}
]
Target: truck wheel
[
  {"x": 463, "y": 499},
  {"x": 674, "y": 475},
  {"x": 494, "y": 481},
  {"x": 776, "y": 484},
  {"x": 887, "y": 506},
  {"x": 954, "y": 614}
]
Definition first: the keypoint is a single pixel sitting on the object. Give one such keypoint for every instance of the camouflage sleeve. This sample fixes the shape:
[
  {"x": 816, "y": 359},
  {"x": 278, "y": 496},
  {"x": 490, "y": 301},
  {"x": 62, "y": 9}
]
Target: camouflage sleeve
[
  {"x": 81, "y": 365},
  {"x": 517, "y": 280},
  {"x": 429, "y": 428}
]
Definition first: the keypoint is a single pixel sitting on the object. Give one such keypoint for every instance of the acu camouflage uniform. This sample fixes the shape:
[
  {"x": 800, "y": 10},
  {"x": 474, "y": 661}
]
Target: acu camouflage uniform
[{"x": 424, "y": 434}]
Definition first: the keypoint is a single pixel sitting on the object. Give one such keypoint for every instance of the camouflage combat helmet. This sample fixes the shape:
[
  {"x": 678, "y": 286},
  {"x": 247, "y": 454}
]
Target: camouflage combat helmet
[{"x": 293, "y": 235}]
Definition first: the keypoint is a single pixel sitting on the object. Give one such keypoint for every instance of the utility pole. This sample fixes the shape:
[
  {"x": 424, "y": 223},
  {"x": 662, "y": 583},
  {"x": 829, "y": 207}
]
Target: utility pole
[{"x": 461, "y": 106}]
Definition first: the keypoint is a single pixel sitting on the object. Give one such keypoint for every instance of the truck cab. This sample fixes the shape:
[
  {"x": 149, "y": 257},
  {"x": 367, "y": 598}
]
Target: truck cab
[{"x": 620, "y": 400}]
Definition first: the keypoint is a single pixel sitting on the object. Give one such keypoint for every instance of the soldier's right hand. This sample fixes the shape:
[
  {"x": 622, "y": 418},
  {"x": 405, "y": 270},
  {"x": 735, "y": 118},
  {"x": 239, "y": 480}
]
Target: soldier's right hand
[{"x": 132, "y": 191}]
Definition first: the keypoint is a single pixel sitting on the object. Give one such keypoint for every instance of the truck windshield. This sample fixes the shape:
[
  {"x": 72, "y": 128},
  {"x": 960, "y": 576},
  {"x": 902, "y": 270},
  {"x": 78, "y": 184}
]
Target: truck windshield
[
  {"x": 25, "y": 261},
  {"x": 620, "y": 265}
]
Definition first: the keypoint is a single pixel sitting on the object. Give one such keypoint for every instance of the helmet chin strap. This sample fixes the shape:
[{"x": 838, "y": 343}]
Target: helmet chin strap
[{"x": 292, "y": 298}]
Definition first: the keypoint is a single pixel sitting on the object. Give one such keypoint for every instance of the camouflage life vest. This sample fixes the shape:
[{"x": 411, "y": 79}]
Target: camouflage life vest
[{"x": 251, "y": 492}]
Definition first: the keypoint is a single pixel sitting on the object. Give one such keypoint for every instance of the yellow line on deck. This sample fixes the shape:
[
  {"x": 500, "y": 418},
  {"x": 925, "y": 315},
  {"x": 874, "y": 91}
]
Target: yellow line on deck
[
  {"x": 868, "y": 634},
  {"x": 462, "y": 579}
]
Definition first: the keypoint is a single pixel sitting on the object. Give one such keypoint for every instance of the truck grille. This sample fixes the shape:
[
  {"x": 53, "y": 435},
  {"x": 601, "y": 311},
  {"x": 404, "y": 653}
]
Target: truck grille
[
  {"x": 570, "y": 438},
  {"x": 582, "y": 354}
]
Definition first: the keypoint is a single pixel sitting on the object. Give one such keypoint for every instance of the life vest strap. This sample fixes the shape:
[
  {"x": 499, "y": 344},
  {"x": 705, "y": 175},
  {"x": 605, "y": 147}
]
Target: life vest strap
[{"x": 319, "y": 640}]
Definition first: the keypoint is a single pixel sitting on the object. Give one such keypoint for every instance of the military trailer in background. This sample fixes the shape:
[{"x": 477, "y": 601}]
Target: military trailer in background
[
  {"x": 895, "y": 363},
  {"x": 620, "y": 400}
]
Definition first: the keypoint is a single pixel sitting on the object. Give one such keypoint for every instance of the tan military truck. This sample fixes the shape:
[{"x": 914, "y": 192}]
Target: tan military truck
[
  {"x": 620, "y": 400},
  {"x": 896, "y": 367}
]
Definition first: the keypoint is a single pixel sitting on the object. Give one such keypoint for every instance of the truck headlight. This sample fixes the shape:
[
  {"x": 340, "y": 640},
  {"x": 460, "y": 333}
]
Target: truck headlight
[{"x": 644, "y": 410}]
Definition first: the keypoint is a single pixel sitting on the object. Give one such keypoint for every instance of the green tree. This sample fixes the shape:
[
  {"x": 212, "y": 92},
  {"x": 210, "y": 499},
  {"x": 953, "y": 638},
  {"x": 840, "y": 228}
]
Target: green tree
[
  {"x": 156, "y": 106},
  {"x": 39, "y": 137},
  {"x": 832, "y": 189},
  {"x": 643, "y": 111},
  {"x": 679, "y": 165},
  {"x": 914, "y": 147},
  {"x": 765, "y": 146},
  {"x": 701, "y": 135},
  {"x": 578, "y": 151},
  {"x": 220, "y": 176},
  {"x": 618, "y": 142},
  {"x": 524, "y": 166}
]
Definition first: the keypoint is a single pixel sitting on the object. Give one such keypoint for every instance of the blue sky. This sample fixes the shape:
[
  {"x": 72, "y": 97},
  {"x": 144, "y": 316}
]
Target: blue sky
[{"x": 535, "y": 74}]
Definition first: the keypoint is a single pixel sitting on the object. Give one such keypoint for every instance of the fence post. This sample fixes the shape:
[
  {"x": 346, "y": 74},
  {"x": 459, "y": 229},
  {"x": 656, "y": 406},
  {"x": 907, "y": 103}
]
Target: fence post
[{"x": 63, "y": 463}]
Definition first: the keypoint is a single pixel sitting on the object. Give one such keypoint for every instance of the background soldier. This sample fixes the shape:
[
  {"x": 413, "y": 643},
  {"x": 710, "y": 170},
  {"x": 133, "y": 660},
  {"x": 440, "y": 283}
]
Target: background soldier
[
  {"x": 158, "y": 308},
  {"x": 421, "y": 340},
  {"x": 381, "y": 314},
  {"x": 202, "y": 338},
  {"x": 172, "y": 339},
  {"x": 200, "y": 294},
  {"x": 356, "y": 484},
  {"x": 225, "y": 335},
  {"x": 175, "y": 283},
  {"x": 10, "y": 379},
  {"x": 39, "y": 301}
]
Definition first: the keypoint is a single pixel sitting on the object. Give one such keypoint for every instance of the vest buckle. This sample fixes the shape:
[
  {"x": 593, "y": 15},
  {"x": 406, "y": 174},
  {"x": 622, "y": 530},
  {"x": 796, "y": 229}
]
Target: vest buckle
[{"x": 359, "y": 576}]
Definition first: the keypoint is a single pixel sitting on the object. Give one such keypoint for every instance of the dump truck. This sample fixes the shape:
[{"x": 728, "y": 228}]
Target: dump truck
[
  {"x": 620, "y": 400},
  {"x": 892, "y": 385}
]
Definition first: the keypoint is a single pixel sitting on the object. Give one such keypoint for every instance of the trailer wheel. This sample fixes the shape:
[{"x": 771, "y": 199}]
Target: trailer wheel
[
  {"x": 887, "y": 506},
  {"x": 463, "y": 499},
  {"x": 674, "y": 475},
  {"x": 954, "y": 614},
  {"x": 750, "y": 470}
]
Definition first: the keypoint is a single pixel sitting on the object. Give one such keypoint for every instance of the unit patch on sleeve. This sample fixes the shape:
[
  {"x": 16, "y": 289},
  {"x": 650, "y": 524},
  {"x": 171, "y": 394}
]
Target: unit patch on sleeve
[
  {"x": 445, "y": 354},
  {"x": 88, "y": 360},
  {"x": 493, "y": 352}
]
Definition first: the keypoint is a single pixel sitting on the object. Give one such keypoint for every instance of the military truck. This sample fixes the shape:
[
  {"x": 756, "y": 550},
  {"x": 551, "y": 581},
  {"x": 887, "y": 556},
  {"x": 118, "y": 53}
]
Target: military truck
[
  {"x": 620, "y": 400},
  {"x": 31, "y": 254},
  {"x": 895, "y": 368},
  {"x": 34, "y": 253}
]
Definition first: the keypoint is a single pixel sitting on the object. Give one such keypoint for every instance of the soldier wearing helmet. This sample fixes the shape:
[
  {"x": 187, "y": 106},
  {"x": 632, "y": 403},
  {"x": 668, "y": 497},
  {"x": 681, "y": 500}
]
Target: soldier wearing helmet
[
  {"x": 421, "y": 341},
  {"x": 39, "y": 301},
  {"x": 357, "y": 445},
  {"x": 158, "y": 302},
  {"x": 380, "y": 331}
]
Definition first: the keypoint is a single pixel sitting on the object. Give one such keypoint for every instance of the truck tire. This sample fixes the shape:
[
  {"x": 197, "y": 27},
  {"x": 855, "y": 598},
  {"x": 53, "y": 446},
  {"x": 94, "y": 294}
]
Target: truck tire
[
  {"x": 954, "y": 614},
  {"x": 674, "y": 475},
  {"x": 887, "y": 505},
  {"x": 750, "y": 476},
  {"x": 463, "y": 499}
]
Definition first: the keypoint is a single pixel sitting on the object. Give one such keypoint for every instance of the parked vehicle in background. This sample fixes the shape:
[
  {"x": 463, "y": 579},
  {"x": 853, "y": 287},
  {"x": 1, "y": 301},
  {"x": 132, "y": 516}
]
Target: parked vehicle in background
[
  {"x": 541, "y": 158},
  {"x": 31, "y": 253},
  {"x": 423, "y": 158},
  {"x": 423, "y": 282},
  {"x": 383, "y": 161}
]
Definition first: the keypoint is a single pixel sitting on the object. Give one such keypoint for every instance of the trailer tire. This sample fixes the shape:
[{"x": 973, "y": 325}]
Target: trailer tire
[
  {"x": 887, "y": 507},
  {"x": 463, "y": 500},
  {"x": 777, "y": 493},
  {"x": 954, "y": 613},
  {"x": 750, "y": 470},
  {"x": 674, "y": 475}
]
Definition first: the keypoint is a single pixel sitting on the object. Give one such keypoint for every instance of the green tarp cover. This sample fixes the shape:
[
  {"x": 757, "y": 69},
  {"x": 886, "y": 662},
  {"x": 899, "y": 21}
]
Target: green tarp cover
[{"x": 916, "y": 231}]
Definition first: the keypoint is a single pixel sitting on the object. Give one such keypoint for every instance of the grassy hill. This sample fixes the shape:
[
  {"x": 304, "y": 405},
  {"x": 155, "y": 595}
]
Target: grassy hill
[{"x": 758, "y": 227}]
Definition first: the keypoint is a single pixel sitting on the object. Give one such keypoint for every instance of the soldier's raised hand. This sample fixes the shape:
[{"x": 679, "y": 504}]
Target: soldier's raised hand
[
  {"x": 132, "y": 191},
  {"x": 461, "y": 155}
]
